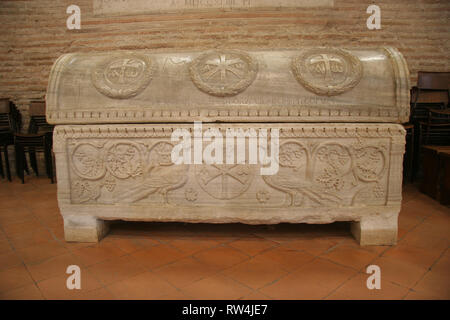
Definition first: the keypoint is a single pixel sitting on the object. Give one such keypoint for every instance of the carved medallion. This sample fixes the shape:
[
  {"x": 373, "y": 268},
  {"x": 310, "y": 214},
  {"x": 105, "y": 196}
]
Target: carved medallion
[
  {"x": 224, "y": 182},
  {"x": 124, "y": 76},
  {"x": 327, "y": 71},
  {"x": 124, "y": 160},
  {"x": 223, "y": 73},
  {"x": 87, "y": 162},
  {"x": 370, "y": 164}
]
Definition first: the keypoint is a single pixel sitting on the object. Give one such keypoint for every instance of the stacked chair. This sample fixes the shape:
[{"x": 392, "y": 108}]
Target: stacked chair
[
  {"x": 430, "y": 116},
  {"x": 9, "y": 125},
  {"x": 38, "y": 139}
]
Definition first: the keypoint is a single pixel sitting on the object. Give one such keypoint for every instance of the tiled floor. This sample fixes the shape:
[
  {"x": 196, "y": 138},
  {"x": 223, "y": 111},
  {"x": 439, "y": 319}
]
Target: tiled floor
[{"x": 185, "y": 261}]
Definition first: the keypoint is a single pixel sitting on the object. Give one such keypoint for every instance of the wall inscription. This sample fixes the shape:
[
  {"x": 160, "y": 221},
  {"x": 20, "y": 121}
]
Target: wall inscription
[{"x": 124, "y": 7}]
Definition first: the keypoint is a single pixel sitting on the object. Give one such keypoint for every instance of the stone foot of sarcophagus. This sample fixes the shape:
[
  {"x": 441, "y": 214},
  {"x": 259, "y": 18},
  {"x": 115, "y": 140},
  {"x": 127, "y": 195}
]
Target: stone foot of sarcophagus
[
  {"x": 378, "y": 229},
  {"x": 81, "y": 228}
]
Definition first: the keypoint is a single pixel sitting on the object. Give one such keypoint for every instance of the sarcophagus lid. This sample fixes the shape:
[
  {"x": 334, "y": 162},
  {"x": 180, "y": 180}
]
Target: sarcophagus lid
[{"x": 297, "y": 85}]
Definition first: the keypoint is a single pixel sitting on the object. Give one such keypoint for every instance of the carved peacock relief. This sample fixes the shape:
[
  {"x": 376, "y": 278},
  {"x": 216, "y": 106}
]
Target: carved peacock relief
[{"x": 312, "y": 173}]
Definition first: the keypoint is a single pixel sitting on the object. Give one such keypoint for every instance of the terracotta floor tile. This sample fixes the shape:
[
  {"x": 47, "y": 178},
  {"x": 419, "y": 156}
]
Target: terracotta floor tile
[
  {"x": 35, "y": 237},
  {"x": 315, "y": 280},
  {"x": 157, "y": 256},
  {"x": 256, "y": 295},
  {"x": 252, "y": 245},
  {"x": 56, "y": 288},
  {"x": 436, "y": 282},
  {"x": 143, "y": 286},
  {"x": 3, "y": 237},
  {"x": 439, "y": 225},
  {"x": 130, "y": 244},
  {"x": 46, "y": 215},
  {"x": 356, "y": 258},
  {"x": 421, "y": 207},
  {"x": 189, "y": 246},
  {"x": 14, "y": 278},
  {"x": 116, "y": 269},
  {"x": 9, "y": 260},
  {"x": 174, "y": 295},
  {"x": 41, "y": 252},
  {"x": 217, "y": 287},
  {"x": 415, "y": 256},
  {"x": 221, "y": 257},
  {"x": 5, "y": 247},
  {"x": 414, "y": 295},
  {"x": 408, "y": 222},
  {"x": 314, "y": 246},
  {"x": 17, "y": 229},
  {"x": 399, "y": 272},
  {"x": 256, "y": 272},
  {"x": 217, "y": 261},
  {"x": 97, "y": 253},
  {"x": 286, "y": 258},
  {"x": 13, "y": 216},
  {"x": 421, "y": 237},
  {"x": 28, "y": 292},
  {"x": 12, "y": 203},
  {"x": 356, "y": 289},
  {"x": 52, "y": 267},
  {"x": 184, "y": 272},
  {"x": 97, "y": 294}
]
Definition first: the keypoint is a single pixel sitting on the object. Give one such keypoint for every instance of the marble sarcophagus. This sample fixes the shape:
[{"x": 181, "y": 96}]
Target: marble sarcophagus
[{"x": 320, "y": 138}]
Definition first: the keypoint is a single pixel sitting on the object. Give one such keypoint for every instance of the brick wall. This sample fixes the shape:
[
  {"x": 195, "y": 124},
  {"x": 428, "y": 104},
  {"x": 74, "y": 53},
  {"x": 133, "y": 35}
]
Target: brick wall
[{"x": 33, "y": 34}]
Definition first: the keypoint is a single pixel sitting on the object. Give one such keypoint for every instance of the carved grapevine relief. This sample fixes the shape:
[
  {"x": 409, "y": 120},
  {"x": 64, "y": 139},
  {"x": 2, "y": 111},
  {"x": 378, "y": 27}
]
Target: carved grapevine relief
[
  {"x": 191, "y": 195},
  {"x": 124, "y": 160},
  {"x": 84, "y": 191},
  {"x": 312, "y": 173},
  {"x": 263, "y": 196},
  {"x": 223, "y": 73},
  {"x": 324, "y": 171},
  {"x": 88, "y": 162},
  {"x": 327, "y": 71},
  {"x": 123, "y": 76}
]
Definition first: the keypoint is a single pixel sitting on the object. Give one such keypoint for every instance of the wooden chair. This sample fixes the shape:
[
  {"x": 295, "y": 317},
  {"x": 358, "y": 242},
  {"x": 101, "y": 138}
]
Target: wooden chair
[
  {"x": 435, "y": 179},
  {"x": 38, "y": 139},
  {"x": 444, "y": 179},
  {"x": 9, "y": 124},
  {"x": 409, "y": 155},
  {"x": 431, "y": 92},
  {"x": 435, "y": 140},
  {"x": 436, "y": 130}
]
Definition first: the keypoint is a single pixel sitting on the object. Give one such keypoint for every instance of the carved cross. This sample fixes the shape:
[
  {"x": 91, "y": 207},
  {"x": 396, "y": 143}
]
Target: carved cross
[
  {"x": 326, "y": 61},
  {"x": 223, "y": 65}
]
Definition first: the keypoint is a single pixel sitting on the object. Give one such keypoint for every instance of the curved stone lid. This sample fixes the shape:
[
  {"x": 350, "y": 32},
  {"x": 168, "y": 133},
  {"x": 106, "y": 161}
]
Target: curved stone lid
[{"x": 320, "y": 84}]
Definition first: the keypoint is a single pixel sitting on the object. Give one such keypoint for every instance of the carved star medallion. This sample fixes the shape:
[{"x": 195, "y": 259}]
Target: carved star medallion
[{"x": 223, "y": 73}]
